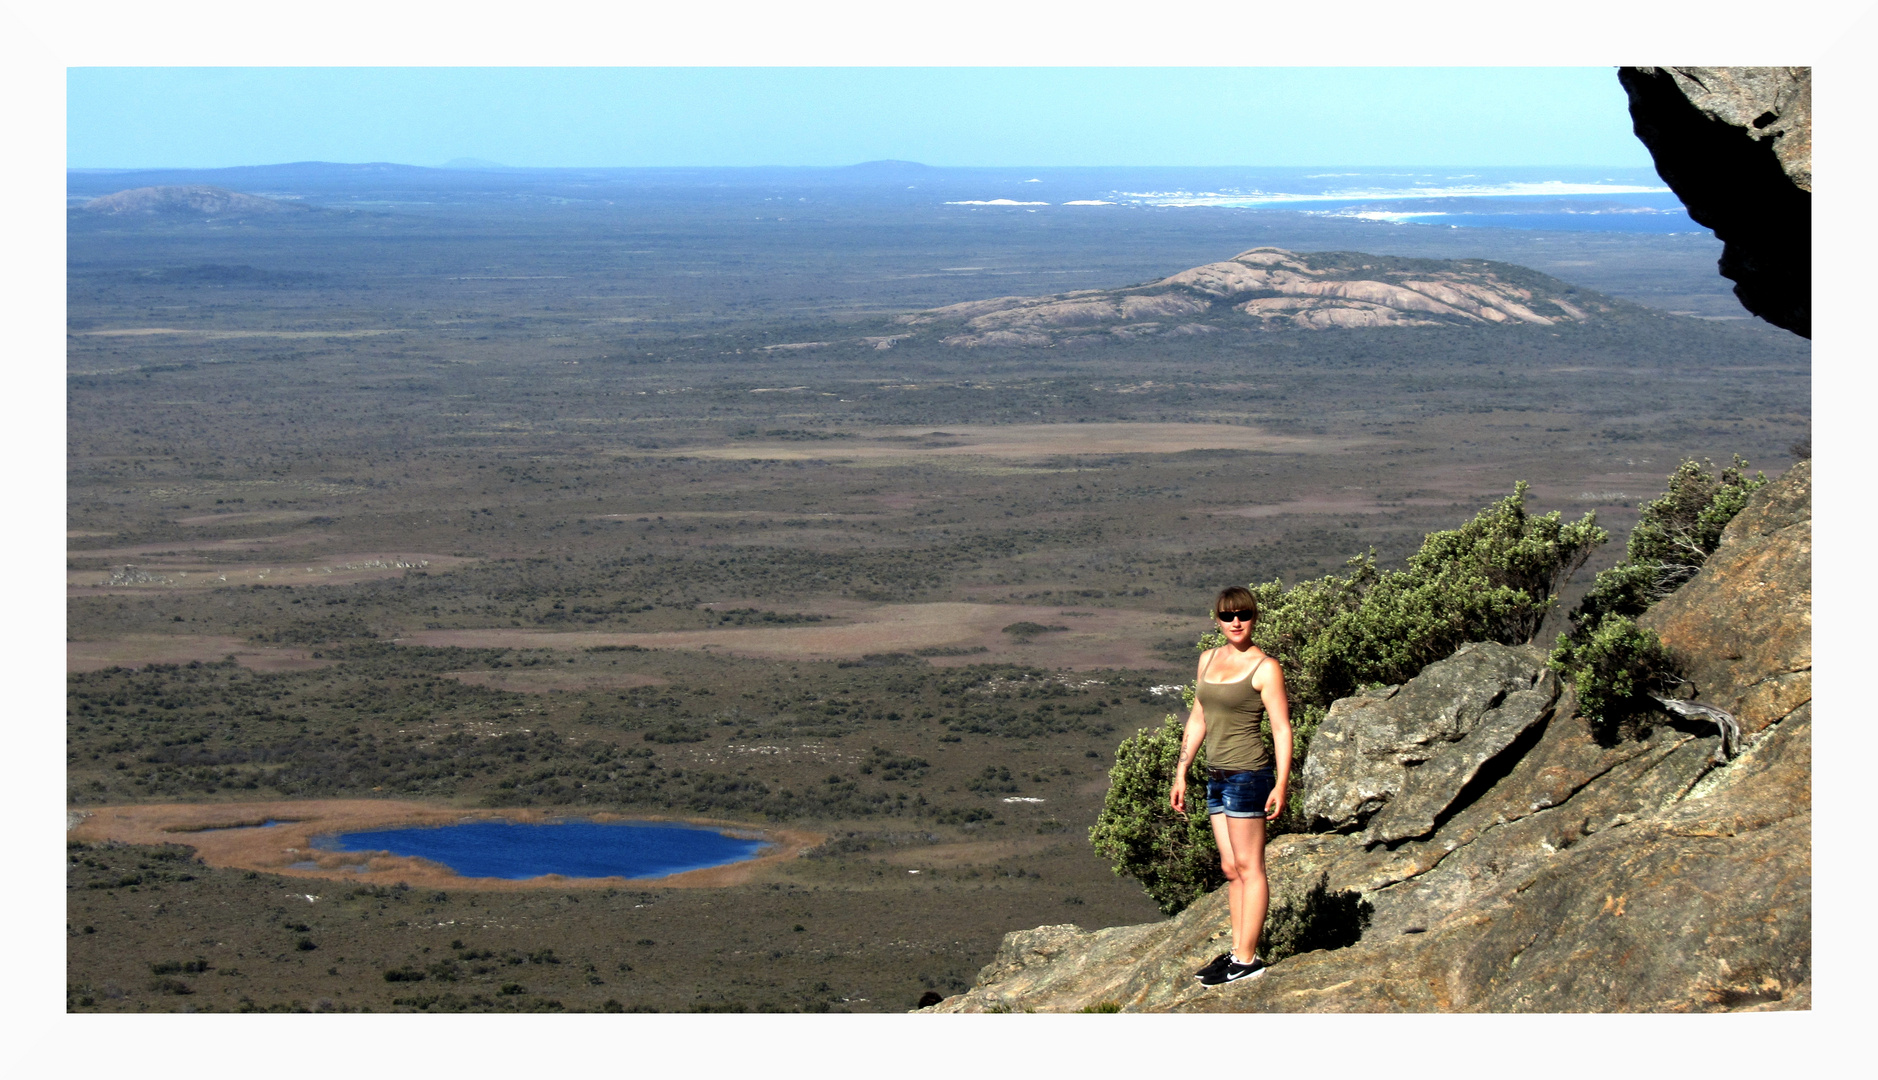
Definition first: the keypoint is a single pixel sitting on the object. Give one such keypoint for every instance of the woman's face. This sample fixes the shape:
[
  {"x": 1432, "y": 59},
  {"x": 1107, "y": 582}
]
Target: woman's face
[{"x": 1238, "y": 631}]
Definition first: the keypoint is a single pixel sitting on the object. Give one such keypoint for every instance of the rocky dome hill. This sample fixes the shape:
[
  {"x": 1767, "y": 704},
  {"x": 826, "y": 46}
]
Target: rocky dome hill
[
  {"x": 195, "y": 200},
  {"x": 1480, "y": 847},
  {"x": 1272, "y": 288}
]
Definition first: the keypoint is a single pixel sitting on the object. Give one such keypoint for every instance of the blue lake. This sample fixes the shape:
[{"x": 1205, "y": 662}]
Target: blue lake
[{"x": 508, "y": 849}]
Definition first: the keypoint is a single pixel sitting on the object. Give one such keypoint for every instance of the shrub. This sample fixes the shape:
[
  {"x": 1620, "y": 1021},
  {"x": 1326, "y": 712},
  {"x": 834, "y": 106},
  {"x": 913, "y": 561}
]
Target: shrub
[
  {"x": 1172, "y": 855},
  {"x": 1674, "y": 535},
  {"x": 1492, "y": 579},
  {"x": 1315, "y": 919},
  {"x": 1031, "y": 629},
  {"x": 171, "y": 986},
  {"x": 1614, "y": 667},
  {"x": 995, "y": 778},
  {"x": 1614, "y": 664}
]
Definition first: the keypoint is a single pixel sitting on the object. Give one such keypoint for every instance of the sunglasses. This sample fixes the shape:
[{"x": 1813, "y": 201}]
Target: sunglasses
[{"x": 1234, "y": 616}]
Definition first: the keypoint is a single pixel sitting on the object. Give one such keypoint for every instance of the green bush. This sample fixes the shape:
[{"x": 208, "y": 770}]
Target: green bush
[
  {"x": 1314, "y": 919},
  {"x": 1614, "y": 664},
  {"x": 171, "y": 986},
  {"x": 1172, "y": 855},
  {"x": 1492, "y": 579},
  {"x": 1674, "y": 535},
  {"x": 1031, "y": 629}
]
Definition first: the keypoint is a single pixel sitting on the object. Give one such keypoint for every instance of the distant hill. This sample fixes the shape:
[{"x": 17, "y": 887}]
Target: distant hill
[
  {"x": 1271, "y": 288},
  {"x": 199, "y": 200}
]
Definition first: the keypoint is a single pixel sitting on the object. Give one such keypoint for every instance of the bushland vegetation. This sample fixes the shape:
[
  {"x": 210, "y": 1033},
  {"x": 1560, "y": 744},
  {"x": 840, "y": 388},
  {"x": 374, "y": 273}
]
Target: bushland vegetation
[
  {"x": 378, "y": 722},
  {"x": 1172, "y": 855},
  {"x": 573, "y": 411}
]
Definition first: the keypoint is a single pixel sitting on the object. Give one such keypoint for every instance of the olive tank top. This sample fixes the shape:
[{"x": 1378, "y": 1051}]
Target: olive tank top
[{"x": 1233, "y": 713}]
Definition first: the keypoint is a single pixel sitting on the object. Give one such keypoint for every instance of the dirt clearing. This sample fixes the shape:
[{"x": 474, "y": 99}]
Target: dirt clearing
[
  {"x": 139, "y": 650},
  {"x": 533, "y": 681},
  {"x": 160, "y": 549},
  {"x": 176, "y": 571},
  {"x": 1327, "y": 504},
  {"x": 1028, "y": 441},
  {"x": 946, "y": 633},
  {"x": 249, "y": 517},
  {"x": 950, "y": 856}
]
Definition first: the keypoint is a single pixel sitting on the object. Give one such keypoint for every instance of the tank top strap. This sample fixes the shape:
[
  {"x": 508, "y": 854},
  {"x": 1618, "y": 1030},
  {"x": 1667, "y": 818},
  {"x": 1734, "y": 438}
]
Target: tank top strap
[{"x": 1208, "y": 662}]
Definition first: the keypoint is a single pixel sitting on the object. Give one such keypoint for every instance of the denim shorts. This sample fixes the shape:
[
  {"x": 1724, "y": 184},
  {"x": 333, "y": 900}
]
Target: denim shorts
[{"x": 1240, "y": 794}]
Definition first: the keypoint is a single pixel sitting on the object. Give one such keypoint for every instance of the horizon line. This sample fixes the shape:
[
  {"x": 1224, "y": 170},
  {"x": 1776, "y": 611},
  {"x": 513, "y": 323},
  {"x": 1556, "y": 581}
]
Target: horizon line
[{"x": 497, "y": 167}]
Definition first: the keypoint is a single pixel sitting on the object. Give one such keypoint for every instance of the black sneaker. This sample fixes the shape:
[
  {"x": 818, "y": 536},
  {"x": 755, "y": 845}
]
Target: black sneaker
[
  {"x": 1237, "y": 971},
  {"x": 1234, "y": 971},
  {"x": 1215, "y": 965}
]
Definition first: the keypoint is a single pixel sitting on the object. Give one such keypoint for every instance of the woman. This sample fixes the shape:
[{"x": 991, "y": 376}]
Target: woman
[{"x": 1238, "y": 686}]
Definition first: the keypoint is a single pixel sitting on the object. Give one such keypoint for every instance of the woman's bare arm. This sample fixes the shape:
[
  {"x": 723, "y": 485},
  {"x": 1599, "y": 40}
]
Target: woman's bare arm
[
  {"x": 1190, "y": 741},
  {"x": 1278, "y": 707}
]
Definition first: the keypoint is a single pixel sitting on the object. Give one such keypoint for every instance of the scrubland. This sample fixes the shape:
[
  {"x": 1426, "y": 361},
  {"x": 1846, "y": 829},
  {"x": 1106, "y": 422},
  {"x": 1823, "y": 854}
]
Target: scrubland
[{"x": 493, "y": 514}]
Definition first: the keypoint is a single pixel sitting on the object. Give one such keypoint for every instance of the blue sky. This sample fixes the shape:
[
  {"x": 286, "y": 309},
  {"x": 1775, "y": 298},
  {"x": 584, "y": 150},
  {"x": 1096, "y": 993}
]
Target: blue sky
[{"x": 1275, "y": 116}]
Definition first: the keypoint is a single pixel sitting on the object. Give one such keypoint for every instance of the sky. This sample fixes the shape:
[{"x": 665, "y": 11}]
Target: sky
[{"x": 212, "y": 117}]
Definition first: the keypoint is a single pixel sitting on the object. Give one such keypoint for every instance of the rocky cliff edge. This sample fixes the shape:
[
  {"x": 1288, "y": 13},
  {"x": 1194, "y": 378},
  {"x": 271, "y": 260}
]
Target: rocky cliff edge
[{"x": 1736, "y": 146}]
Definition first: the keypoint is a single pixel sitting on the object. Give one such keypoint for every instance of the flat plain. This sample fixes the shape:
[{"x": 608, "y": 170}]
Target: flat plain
[{"x": 517, "y": 509}]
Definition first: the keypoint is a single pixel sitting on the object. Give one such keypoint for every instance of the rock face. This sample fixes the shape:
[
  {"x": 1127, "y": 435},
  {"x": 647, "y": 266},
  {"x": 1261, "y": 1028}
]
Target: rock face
[
  {"x": 1736, "y": 146},
  {"x": 1272, "y": 288},
  {"x": 193, "y": 200},
  {"x": 1404, "y": 754},
  {"x": 1514, "y": 858}
]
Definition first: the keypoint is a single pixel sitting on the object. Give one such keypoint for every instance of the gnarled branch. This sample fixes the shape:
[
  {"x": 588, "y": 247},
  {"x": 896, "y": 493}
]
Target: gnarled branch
[{"x": 1724, "y": 720}]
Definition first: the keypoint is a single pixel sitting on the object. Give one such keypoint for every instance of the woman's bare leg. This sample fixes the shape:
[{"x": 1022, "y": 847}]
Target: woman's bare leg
[
  {"x": 1228, "y": 862},
  {"x": 1246, "y": 841}
]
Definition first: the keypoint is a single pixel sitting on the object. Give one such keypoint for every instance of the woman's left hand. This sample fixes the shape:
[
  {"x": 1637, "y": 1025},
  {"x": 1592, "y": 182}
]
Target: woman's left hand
[{"x": 1275, "y": 803}]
